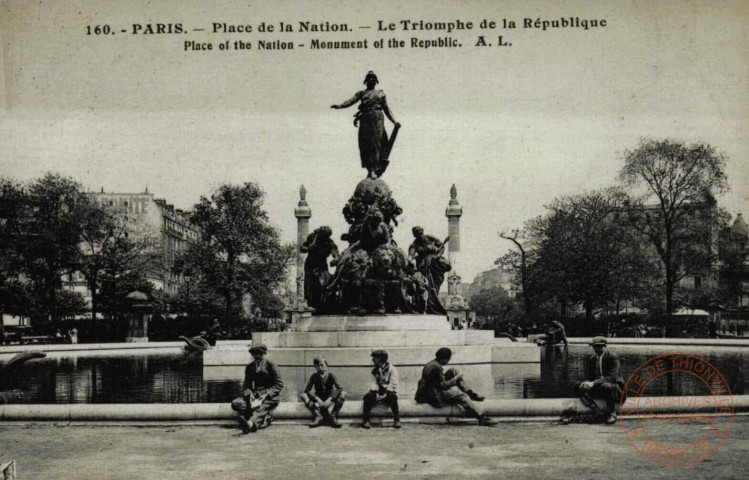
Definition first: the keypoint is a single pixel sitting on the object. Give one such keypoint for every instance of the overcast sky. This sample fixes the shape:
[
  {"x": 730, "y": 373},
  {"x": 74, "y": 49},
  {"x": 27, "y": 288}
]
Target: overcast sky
[{"x": 511, "y": 127}]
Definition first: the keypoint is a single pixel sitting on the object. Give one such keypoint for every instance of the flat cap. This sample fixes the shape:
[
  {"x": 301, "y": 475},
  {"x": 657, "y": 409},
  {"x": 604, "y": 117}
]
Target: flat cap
[
  {"x": 598, "y": 341},
  {"x": 260, "y": 348}
]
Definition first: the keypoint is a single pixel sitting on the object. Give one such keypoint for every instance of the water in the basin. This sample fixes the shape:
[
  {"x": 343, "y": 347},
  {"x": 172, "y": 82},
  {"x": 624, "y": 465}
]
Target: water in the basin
[{"x": 179, "y": 378}]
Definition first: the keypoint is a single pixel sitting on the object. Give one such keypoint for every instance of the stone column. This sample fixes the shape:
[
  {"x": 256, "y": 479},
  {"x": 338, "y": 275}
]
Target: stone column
[
  {"x": 453, "y": 213},
  {"x": 302, "y": 212},
  {"x": 458, "y": 312}
]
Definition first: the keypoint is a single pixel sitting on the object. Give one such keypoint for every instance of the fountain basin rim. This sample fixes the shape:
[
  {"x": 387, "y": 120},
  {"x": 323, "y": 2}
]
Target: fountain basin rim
[{"x": 297, "y": 410}]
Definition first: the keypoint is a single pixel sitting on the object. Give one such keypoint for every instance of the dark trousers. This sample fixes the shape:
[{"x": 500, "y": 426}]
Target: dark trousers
[
  {"x": 338, "y": 400},
  {"x": 608, "y": 392},
  {"x": 258, "y": 415},
  {"x": 370, "y": 399},
  {"x": 457, "y": 396}
]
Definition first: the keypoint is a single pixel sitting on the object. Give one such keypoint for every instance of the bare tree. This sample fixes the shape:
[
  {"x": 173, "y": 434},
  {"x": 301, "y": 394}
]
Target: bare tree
[
  {"x": 516, "y": 237},
  {"x": 676, "y": 208}
]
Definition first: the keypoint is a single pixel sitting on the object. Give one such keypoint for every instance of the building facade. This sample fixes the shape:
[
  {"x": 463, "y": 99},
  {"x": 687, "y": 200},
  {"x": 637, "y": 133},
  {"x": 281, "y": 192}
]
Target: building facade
[
  {"x": 735, "y": 263},
  {"x": 502, "y": 276},
  {"x": 148, "y": 217}
]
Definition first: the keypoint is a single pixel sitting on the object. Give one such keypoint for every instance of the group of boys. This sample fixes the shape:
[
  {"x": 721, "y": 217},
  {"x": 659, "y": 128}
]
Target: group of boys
[{"x": 324, "y": 396}]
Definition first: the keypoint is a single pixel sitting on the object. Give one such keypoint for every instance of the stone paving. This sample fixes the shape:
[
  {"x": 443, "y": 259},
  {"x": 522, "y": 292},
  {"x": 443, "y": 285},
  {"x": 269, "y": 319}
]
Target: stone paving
[{"x": 509, "y": 450}]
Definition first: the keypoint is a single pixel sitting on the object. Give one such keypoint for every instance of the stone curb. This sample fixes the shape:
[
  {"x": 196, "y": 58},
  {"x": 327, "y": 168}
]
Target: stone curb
[{"x": 552, "y": 407}]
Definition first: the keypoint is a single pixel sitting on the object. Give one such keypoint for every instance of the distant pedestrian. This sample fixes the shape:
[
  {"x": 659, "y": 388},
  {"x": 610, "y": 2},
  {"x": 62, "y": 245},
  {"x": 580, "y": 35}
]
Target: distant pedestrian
[
  {"x": 73, "y": 334},
  {"x": 554, "y": 335},
  {"x": 323, "y": 396},
  {"x": 712, "y": 328},
  {"x": 261, "y": 392},
  {"x": 384, "y": 390}
]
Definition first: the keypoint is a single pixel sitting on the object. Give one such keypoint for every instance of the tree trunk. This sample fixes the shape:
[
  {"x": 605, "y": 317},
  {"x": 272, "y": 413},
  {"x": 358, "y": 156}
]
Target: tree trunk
[
  {"x": 588, "y": 310},
  {"x": 669, "y": 301},
  {"x": 229, "y": 301},
  {"x": 94, "y": 308},
  {"x": 524, "y": 282}
]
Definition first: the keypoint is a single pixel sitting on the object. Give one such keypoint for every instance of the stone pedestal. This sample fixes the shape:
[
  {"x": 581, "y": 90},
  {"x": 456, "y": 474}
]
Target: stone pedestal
[
  {"x": 411, "y": 341},
  {"x": 371, "y": 323}
]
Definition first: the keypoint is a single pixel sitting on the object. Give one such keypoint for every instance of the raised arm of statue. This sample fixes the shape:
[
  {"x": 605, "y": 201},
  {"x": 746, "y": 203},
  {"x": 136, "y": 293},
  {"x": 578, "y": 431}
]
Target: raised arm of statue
[
  {"x": 350, "y": 101},
  {"x": 433, "y": 244}
]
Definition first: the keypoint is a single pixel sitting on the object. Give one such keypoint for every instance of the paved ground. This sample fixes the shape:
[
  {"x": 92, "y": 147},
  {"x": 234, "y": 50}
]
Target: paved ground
[{"x": 509, "y": 450}]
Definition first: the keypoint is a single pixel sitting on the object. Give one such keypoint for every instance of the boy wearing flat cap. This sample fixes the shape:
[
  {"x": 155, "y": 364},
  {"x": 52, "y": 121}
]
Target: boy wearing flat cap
[
  {"x": 604, "y": 380},
  {"x": 384, "y": 390},
  {"x": 261, "y": 392}
]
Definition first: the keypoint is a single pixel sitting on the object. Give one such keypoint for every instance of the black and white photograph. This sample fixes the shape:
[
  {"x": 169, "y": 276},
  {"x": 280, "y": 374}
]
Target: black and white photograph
[{"x": 338, "y": 239}]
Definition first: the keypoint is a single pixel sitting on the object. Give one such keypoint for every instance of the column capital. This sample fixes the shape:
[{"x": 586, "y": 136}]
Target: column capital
[
  {"x": 302, "y": 210},
  {"x": 454, "y": 210}
]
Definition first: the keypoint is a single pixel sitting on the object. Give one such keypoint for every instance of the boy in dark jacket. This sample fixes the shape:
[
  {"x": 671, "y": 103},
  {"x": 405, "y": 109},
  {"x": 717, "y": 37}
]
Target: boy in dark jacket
[
  {"x": 603, "y": 380},
  {"x": 261, "y": 392},
  {"x": 323, "y": 396},
  {"x": 437, "y": 388}
]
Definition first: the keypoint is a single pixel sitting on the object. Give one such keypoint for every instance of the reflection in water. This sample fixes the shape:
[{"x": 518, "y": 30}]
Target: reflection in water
[{"x": 181, "y": 378}]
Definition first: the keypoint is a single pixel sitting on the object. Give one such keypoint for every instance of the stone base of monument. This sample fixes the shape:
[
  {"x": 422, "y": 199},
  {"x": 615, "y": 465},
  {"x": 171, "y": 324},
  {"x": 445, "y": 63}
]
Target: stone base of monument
[
  {"x": 407, "y": 338},
  {"x": 370, "y": 323}
]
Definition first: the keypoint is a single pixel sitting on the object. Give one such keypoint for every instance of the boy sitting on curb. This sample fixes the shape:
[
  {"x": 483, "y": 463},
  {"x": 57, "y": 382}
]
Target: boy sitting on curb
[{"x": 323, "y": 396}]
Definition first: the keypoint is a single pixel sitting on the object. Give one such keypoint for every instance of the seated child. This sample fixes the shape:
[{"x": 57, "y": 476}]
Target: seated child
[{"x": 323, "y": 396}]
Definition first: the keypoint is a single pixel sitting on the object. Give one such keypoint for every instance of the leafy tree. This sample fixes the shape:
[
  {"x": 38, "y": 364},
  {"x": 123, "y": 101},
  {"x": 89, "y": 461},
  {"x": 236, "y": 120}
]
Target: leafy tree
[
  {"x": 197, "y": 299},
  {"x": 113, "y": 261},
  {"x": 57, "y": 209},
  {"x": 586, "y": 252},
  {"x": 239, "y": 251},
  {"x": 676, "y": 211},
  {"x": 14, "y": 296},
  {"x": 270, "y": 302},
  {"x": 493, "y": 305}
]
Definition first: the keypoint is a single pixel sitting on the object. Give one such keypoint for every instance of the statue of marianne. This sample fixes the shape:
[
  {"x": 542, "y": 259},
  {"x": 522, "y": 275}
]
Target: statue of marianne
[{"x": 374, "y": 147}]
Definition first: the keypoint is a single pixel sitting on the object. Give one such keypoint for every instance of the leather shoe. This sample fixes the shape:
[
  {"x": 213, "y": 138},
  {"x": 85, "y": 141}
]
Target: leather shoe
[
  {"x": 475, "y": 396},
  {"x": 366, "y": 425},
  {"x": 243, "y": 424},
  {"x": 316, "y": 422},
  {"x": 265, "y": 423},
  {"x": 611, "y": 419},
  {"x": 335, "y": 423},
  {"x": 486, "y": 422},
  {"x": 396, "y": 423}
]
